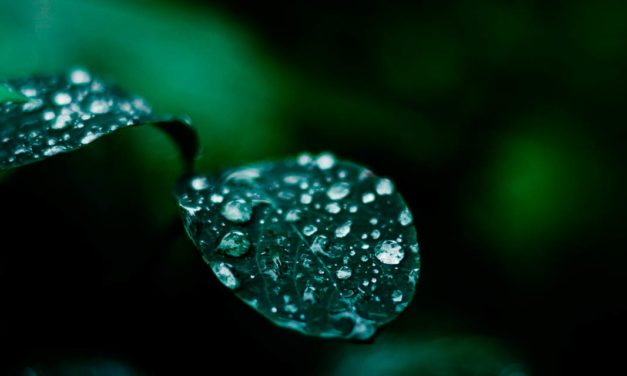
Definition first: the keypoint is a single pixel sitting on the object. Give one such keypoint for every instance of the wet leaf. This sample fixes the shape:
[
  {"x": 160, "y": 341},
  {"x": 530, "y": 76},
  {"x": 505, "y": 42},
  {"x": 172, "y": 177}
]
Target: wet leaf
[
  {"x": 66, "y": 112},
  {"x": 317, "y": 245}
]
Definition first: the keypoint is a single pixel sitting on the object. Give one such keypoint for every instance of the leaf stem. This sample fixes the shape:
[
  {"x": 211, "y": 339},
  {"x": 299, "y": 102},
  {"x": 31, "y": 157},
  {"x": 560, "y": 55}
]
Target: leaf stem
[{"x": 186, "y": 139}]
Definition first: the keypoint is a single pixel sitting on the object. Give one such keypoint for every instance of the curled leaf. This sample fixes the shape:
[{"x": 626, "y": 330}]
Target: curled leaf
[
  {"x": 317, "y": 245},
  {"x": 66, "y": 112}
]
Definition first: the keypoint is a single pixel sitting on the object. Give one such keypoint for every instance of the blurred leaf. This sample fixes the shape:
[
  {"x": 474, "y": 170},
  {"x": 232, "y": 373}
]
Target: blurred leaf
[
  {"x": 320, "y": 246},
  {"x": 402, "y": 356},
  {"x": 64, "y": 113}
]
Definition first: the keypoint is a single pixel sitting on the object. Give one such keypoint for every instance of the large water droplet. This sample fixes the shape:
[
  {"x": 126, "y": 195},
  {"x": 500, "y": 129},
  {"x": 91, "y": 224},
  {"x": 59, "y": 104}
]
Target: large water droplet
[
  {"x": 384, "y": 187},
  {"x": 199, "y": 183},
  {"x": 225, "y": 275},
  {"x": 389, "y": 252},
  {"x": 238, "y": 211},
  {"x": 344, "y": 229},
  {"x": 338, "y": 191},
  {"x": 80, "y": 76},
  {"x": 234, "y": 243},
  {"x": 344, "y": 272},
  {"x": 325, "y": 161},
  {"x": 62, "y": 98},
  {"x": 405, "y": 218}
]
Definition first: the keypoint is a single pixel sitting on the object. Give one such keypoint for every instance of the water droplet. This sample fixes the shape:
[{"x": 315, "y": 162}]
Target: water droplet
[
  {"x": 414, "y": 248},
  {"x": 54, "y": 150},
  {"x": 244, "y": 175},
  {"x": 32, "y": 105},
  {"x": 343, "y": 230},
  {"x": 99, "y": 106},
  {"x": 238, "y": 211},
  {"x": 397, "y": 296},
  {"x": 353, "y": 209},
  {"x": 319, "y": 244},
  {"x": 309, "y": 294},
  {"x": 293, "y": 215},
  {"x": 373, "y": 221},
  {"x": 344, "y": 272},
  {"x": 305, "y": 198},
  {"x": 63, "y": 120},
  {"x": 304, "y": 159},
  {"x": 389, "y": 252},
  {"x": 405, "y": 217},
  {"x": 80, "y": 76},
  {"x": 62, "y": 98},
  {"x": 200, "y": 183},
  {"x": 234, "y": 243},
  {"x": 375, "y": 234},
  {"x": 216, "y": 198},
  {"x": 333, "y": 208},
  {"x": 89, "y": 137},
  {"x": 309, "y": 230},
  {"x": 225, "y": 275},
  {"x": 48, "y": 115},
  {"x": 338, "y": 191},
  {"x": 368, "y": 197},
  {"x": 325, "y": 161},
  {"x": 384, "y": 187}
]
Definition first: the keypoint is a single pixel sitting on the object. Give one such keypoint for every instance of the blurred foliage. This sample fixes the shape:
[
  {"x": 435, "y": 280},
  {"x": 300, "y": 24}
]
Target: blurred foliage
[
  {"x": 500, "y": 122},
  {"x": 394, "y": 356}
]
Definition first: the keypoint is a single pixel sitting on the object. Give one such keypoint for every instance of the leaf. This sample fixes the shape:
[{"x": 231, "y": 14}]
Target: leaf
[
  {"x": 320, "y": 246},
  {"x": 66, "y": 112}
]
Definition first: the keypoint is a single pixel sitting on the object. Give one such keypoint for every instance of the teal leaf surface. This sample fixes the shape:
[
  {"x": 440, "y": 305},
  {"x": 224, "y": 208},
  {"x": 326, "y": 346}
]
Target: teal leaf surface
[
  {"x": 315, "y": 244},
  {"x": 63, "y": 113}
]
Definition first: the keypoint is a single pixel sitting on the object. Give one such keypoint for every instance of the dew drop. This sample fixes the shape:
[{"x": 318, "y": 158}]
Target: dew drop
[
  {"x": 309, "y": 230},
  {"x": 89, "y": 137},
  {"x": 304, "y": 159},
  {"x": 48, "y": 115},
  {"x": 225, "y": 275},
  {"x": 80, "y": 76},
  {"x": 375, "y": 234},
  {"x": 343, "y": 230},
  {"x": 325, "y": 161},
  {"x": 333, "y": 208},
  {"x": 200, "y": 183},
  {"x": 384, "y": 187},
  {"x": 405, "y": 217},
  {"x": 389, "y": 252},
  {"x": 234, "y": 243},
  {"x": 368, "y": 197},
  {"x": 305, "y": 198},
  {"x": 99, "y": 106},
  {"x": 338, "y": 191},
  {"x": 54, "y": 150},
  {"x": 216, "y": 198},
  {"x": 238, "y": 211},
  {"x": 319, "y": 244},
  {"x": 344, "y": 272},
  {"x": 62, "y": 98},
  {"x": 397, "y": 296},
  {"x": 293, "y": 215}
]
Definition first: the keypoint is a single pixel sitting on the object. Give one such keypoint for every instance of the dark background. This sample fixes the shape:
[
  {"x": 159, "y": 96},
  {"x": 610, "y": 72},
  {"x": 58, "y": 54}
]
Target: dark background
[{"x": 502, "y": 124}]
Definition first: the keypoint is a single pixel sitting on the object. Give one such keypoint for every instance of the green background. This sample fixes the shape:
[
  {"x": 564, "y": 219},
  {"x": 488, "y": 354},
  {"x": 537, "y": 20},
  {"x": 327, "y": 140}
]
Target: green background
[{"x": 502, "y": 124}]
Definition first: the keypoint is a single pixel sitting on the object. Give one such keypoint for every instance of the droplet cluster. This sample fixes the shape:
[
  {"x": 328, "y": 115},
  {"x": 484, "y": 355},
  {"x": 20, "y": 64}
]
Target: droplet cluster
[
  {"x": 62, "y": 113},
  {"x": 315, "y": 244}
]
